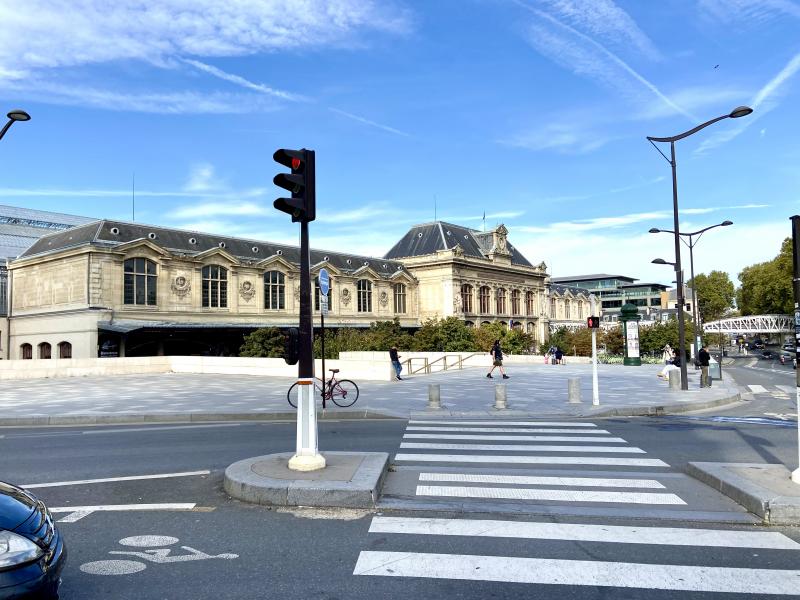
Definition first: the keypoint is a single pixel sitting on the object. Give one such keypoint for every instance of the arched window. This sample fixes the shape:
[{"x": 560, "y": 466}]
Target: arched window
[
  {"x": 274, "y": 290},
  {"x": 515, "y": 302},
  {"x": 567, "y": 311},
  {"x": 501, "y": 301},
  {"x": 215, "y": 286},
  {"x": 484, "y": 299},
  {"x": 64, "y": 350},
  {"x": 580, "y": 310},
  {"x": 400, "y": 298},
  {"x": 529, "y": 328},
  {"x": 466, "y": 298},
  {"x": 530, "y": 304},
  {"x": 140, "y": 282},
  {"x": 364, "y": 288},
  {"x": 552, "y": 308},
  {"x": 469, "y": 324},
  {"x": 45, "y": 350},
  {"x": 26, "y": 352}
]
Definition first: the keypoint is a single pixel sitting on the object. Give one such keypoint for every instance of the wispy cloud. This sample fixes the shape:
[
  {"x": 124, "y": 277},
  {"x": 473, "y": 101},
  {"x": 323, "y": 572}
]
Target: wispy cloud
[
  {"x": 762, "y": 103},
  {"x": 748, "y": 12},
  {"x": 568, "y": 137},
  {"x": 368, "y": 122},
  {"x": 241, "y": 81},
  {"x": 694, "y": 99},
  {"x": 583, "y": 55},
  {"x": 380, "y": 210},
  {"x": 199, "y": 211},
  {"x": 490, "y": 216}
]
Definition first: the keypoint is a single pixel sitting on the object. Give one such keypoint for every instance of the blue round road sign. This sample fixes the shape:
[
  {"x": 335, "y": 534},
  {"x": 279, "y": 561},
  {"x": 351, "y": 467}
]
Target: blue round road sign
[{"x": 324, "y": 282}]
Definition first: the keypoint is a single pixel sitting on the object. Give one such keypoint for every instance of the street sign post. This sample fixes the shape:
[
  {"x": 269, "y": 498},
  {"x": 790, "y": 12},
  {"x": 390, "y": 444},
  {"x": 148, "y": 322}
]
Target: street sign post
[
  {"x": 324, "y": 287},
  {"x": 595, "y": 386},
  {"x": 796, "y": 286},
  {"x": 324, "y": 282}
]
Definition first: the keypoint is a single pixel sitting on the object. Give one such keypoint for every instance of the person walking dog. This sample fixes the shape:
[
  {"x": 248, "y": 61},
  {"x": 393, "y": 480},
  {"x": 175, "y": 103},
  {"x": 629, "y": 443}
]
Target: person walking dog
[
  {"x": 393, "y": 356},
  {"x": 703, "y": 357},
  {"x": 497, "y": 355}
]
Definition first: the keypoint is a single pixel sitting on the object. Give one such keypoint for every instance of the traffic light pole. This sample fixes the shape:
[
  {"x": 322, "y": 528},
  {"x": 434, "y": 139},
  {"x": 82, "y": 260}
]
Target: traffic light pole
[
  {"x": 595, "y": 385},
  {"x": 307, "y": 456}
]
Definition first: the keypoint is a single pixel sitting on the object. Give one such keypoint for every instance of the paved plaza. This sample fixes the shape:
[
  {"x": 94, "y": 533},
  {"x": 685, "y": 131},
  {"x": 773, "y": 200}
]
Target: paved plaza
[{"x": 532, "y": 389}]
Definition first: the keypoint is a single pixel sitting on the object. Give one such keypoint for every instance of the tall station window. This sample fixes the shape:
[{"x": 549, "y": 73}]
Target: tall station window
[
  {"x": 215, "y": 286},
  {"x": 484, "y": 299},
  {"x": 515, "y": 294},
  {"x": 530, "y": 304},
  {"x": 501, "y": 301},
  {"x": 400, "y": 298},
  {"x": 364, "y": 289},
  {"x": 140, "y": 282},
  {"x": 274, "y": 290},
  {"x": 466, "y": 298}
]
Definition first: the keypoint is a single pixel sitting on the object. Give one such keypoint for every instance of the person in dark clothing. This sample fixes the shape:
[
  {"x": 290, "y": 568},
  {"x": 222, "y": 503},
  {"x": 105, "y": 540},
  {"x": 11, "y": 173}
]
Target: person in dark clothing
[
  {"x": 703, "y": 357},
  {"x": 497, "y": 355},
  {"x": 395, "y": 358},
  {"x": 676, "y": 359}
]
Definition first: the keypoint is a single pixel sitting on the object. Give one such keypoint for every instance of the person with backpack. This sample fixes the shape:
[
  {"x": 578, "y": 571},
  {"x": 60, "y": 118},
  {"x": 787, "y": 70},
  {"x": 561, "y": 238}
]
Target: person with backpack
[
  {"x": 497, "y": 355},
  {"x": 703, "y": 357}
]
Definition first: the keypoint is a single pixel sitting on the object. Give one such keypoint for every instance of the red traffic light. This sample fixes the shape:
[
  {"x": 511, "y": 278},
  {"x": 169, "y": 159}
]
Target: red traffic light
[
  {"x": 296, "y": 162},
  {"x": 593, "y": 322}
]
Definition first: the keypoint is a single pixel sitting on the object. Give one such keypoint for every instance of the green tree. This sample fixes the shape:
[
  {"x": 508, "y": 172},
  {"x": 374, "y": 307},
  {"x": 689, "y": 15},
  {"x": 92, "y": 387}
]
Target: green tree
[
  {"x": 766, "y": 288},
  {"x": 613, "y": 341},
  {"x": 263, "y": 343},
  {"x": 559, "y": 338},
  {"x": 382, "y": 335},
  {"x": 445, "y": 335},
  {"x": 517, "y": 341},
  {"x": 715, "y": 294},
  {"x": 487, "y": 333}
]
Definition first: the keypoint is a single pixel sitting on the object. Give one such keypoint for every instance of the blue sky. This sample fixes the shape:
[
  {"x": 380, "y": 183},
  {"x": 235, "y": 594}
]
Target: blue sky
[{"x": 533, "y": 112}]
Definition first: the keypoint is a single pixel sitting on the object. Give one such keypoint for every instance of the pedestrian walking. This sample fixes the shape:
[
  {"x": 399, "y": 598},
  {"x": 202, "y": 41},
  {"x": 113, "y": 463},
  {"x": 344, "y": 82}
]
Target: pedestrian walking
[
  {"x": 395, "y": 358},
  {"x": 703, "y": 357},
  {"x": 497, "y": 356},
  {"x": 559, "y": 356},
  {"x": 667, "y": 354}
]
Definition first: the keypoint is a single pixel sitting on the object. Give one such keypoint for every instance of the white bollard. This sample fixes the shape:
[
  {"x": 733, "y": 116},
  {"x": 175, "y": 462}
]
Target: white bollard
[
  {"x": 675, "y": 379},
  {"x": 500, "y": 398},
  {"x": 434, "y": 396},
  {"x": 574, "y": 390}
]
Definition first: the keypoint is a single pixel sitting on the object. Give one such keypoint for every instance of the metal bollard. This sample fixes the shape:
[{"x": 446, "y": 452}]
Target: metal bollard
[
  {"x": 434, "y": 396},
  {"x": 500, "y": 398},
  {"x": 574, "y": 390},
  {"x": 675, "y": 379}
]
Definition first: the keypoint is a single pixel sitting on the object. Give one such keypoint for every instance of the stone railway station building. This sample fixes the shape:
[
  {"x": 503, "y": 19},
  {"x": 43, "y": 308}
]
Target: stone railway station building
[{"x": 110, "y": 288}]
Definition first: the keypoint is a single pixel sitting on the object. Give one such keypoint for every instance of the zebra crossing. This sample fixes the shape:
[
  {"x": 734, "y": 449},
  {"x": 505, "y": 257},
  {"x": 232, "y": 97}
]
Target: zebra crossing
[
  {"x": 522, "y": 462},
  {"x": 782, "y": 392}
]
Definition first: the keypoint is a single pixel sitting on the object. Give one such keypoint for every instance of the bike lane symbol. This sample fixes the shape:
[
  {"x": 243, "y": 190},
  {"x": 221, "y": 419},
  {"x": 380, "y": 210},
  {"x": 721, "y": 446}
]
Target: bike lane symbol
[{"x": 155, "y": 554}]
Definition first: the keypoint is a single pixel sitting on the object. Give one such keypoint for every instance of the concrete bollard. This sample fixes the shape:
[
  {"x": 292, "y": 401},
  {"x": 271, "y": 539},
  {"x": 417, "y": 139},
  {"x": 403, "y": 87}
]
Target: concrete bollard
[
  {"x": 500, "y": 398},
  {"x": 675, "y": 379},
  {"x": 434, "y": 396},
  {"x": 574, "y": 390}
]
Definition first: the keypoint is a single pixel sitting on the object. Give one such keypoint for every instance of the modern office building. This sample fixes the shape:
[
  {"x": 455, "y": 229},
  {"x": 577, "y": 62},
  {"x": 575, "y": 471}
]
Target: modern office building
[{"x": 612, "y": 291}]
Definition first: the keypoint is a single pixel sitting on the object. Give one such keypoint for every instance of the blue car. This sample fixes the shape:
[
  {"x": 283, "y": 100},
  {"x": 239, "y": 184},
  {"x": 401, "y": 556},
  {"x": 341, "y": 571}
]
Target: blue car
[{"x": 32, "y": 552}]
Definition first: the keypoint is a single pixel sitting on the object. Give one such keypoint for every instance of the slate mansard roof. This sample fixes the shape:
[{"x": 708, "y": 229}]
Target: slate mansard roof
[
  {"x": 428, "y": 238},
  {"x": 563, "y": 289},
  {"x": 21, "y": 227},
  {"x": 109, "y": 234}
]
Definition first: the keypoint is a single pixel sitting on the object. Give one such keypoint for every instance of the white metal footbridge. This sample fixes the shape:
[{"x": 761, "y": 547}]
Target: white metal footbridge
[{"x": 752, "y": 324}]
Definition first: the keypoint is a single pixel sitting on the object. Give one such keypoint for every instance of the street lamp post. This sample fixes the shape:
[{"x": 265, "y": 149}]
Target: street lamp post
[
  {"x": 14, "y": 116},
  {"x": 740, "y": 111},
  {"x": 691, "y": 244}
]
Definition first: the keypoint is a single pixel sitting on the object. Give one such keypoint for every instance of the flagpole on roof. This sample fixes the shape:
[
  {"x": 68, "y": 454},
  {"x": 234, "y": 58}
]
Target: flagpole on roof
[{"x": 484, "y": 221}]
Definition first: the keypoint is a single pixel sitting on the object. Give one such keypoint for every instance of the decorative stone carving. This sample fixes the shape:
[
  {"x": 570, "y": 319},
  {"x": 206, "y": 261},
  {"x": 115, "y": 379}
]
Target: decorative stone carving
[
  {"x": 383, "y": 298},
  {"x": 457, "y": 250},
  {"x": 499, "y": 241},
  {"x": 297, "y": 292},
  {"x": 345, "y": 297},
  {"x": 181, "y": 286},
  {"x": 457, "y": 302},
  {"x": 247, "y": 290}
]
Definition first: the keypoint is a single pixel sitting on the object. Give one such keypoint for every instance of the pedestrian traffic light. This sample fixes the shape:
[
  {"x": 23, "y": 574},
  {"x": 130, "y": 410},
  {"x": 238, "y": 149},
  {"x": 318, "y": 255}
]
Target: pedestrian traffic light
[
  {"x": 593, "y": 322},
  {"x": 291, "y": 346},
  {"x": 300, "y": 182}
]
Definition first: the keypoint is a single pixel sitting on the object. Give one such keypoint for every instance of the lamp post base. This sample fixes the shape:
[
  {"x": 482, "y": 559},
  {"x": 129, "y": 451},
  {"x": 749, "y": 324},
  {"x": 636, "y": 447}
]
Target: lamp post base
[{"x": 312, "y": 462}]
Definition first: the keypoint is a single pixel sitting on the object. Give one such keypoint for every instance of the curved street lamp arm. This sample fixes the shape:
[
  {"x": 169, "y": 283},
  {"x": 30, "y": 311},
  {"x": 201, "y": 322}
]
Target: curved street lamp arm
[
  {"x": 680, "y": 136},
  {"x": 5, "y": 128},
  {"x": 659, "y": 150}
]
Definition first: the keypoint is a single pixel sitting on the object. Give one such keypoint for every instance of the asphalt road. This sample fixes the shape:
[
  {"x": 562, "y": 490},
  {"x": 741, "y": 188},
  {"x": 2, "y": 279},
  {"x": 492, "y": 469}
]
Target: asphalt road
[{"x": 221, "y": 548}]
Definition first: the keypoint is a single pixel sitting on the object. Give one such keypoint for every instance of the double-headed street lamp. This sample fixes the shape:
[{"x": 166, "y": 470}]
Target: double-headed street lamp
[
  {"x": 14, "y": 116},
  {"x": 691, "y": 243},
  {"x": 740, "y": 111}
]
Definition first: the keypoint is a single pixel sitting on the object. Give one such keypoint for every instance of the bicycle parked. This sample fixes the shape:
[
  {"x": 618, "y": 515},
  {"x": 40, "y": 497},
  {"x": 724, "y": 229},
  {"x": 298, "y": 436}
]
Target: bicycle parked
[{"x": 342, "y": 392}]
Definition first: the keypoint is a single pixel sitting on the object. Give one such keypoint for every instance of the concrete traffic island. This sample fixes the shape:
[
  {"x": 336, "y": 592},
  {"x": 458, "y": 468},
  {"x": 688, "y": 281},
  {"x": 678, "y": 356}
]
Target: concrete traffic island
[
  {"x": 350, "y": 480},
  {"x": 766, "y": 490}
]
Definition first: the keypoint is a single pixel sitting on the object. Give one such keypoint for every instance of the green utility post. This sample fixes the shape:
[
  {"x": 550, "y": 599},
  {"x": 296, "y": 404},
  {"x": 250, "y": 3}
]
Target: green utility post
[{"x": 630, "y": 331}]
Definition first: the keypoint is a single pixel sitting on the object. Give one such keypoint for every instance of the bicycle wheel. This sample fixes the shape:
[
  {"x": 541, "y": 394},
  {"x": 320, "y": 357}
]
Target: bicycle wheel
[
  {"x": 344, "y": 393},
  {"x": 293, "y": 392}
]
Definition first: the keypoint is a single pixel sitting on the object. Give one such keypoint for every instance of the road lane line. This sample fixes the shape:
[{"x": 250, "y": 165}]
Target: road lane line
[
  {"x": 112, "y": 479},
  {"x": 521, "y": 448},
  {"x": 553, "y": 460},
  {"x": 79, "y": 512},
  {"x": 541, "y": 494},
  {"x": 579, "y": 572},
  {"x": 125, "y": 429},
  {"x": 546, "y": 480},
  {"x": 513, "y": 423},
  {"x": 505, "y": 430},
  {"x": 513, "y": 438},
  {"x": 615, "y": 534}
]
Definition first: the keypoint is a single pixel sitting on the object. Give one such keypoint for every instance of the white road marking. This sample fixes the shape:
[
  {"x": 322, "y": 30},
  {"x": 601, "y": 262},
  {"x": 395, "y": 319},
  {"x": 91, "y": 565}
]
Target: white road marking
[
  {"x": 553, "y": 460},
  {"x": 78, "y": 512},
  {"x": 789, "y": 389},
  {"x": 113, "y": 567},
  {"x": 757, "y": 389},
  {"x": 579, "y": 572},
  {"x": 514, "y": 423},
  {"x": 112, "y": 479},
  {"x": 521, "y": 448},
  {"x": 125, "y": 429},
  {"x": 513, "y": 438},
  {"x": 526, "y": 480},
  {"x": 504, "y": 430},
  {"x": 540, "y": 494},
  {"x": 670, "y": 536}
]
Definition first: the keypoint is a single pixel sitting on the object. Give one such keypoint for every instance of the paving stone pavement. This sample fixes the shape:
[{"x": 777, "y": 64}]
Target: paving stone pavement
[{"x": 532, "y": 389}]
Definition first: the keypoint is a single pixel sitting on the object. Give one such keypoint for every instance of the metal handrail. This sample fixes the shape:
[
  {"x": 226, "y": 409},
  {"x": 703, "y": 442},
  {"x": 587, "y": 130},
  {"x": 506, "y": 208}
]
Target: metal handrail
[{"x": 427, "y": 364}]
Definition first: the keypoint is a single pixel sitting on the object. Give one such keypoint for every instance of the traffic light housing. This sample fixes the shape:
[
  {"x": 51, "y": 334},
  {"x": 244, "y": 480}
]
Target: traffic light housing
[
  {"x": 301, "y": 182},
  {"x": 291, "y": 346},
  {"x": 593, "y": 322}
]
